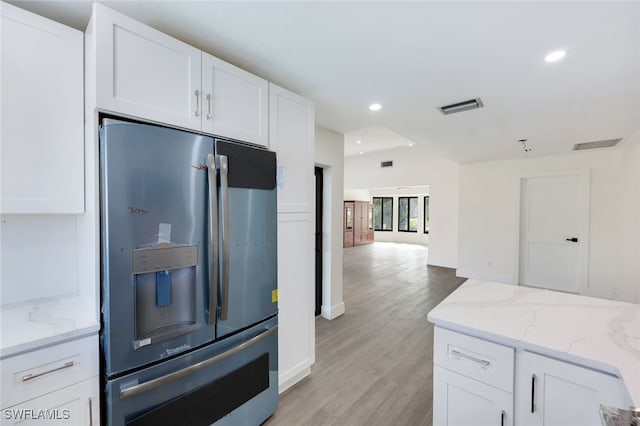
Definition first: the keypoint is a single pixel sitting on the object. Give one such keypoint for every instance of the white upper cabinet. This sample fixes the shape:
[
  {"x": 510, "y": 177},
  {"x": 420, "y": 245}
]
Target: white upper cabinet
[
  {"x": 42, "y": 158},
  {"x": 291, "y": 136},
  {"x": 144, "y": 73},
  {"x": 235, "y": 103}
]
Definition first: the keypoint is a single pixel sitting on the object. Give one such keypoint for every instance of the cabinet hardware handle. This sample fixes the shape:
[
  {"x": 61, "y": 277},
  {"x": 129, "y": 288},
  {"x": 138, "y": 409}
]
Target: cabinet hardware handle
[
  {"x": 209, "y": 103},
  {"x": 502, "y": 414},
  {"x": 90, "y": 412},
  {"x": 197, "y": 93},
  {"x": 482, "y": 362},
  {"x": 28, "y": 377},
  {"x": 533, "y": 393}
]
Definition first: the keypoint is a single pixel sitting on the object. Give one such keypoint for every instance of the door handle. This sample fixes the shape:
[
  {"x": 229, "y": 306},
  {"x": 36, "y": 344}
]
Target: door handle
[
  {"x": 224, "y": 219},
  {"x": 573, "y": 240},
  {"x": 213, "y": 239}
]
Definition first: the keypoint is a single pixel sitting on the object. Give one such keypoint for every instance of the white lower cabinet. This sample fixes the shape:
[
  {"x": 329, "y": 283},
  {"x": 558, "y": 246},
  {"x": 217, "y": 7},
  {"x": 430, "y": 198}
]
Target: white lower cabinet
[
  {"x": 58, "y": 384},
  {"x": 472, "y": 381},
  {"x": 296, "y": 342},
  {"x": 461, "y": 401},
  {"x": 474, "y": 384},
  {"x": 556, "y": 393},
  {"x": 75, "y": 405}
]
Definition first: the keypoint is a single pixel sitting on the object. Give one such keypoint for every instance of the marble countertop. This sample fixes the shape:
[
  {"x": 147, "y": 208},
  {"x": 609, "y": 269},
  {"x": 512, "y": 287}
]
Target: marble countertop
[
  {"x": 596, "y": 333},
  {"x": 43, "y": 322}
]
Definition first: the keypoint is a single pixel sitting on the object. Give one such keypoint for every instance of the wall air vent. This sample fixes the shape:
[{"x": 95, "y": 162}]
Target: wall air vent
[
  {"x": 462, "y": 106},
  {"x": 597, "y": 144},
  {"x": 386, "y": 164}
]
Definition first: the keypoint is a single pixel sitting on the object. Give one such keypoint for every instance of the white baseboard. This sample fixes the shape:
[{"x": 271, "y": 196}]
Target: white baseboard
[
  {"x": 436, "y": 262},
  {"x": 332, "y": 312},
  {"x": 484, "y": 276},
  {"x": 293, "y": 376}
]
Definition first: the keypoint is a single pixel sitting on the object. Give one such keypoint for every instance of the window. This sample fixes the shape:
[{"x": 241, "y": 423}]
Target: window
[
  {"x": 408, "y": 214},
  {"x": 383, "y": 213},
  {"x": 426, "y": 214}
]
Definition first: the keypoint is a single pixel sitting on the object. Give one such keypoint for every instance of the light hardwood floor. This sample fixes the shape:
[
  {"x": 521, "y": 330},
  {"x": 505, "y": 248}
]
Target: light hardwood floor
[{"x": 374, "y": 363}]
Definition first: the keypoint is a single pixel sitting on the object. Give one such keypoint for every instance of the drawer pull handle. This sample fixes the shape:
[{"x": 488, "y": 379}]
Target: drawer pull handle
[
  {"x": 28, "y": 377},
  {"x": 483, "y": 362}
]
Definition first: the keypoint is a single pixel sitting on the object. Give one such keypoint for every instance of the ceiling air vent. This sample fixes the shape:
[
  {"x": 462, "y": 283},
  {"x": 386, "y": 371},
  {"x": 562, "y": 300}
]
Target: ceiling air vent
[
  {"x": 386, "y": 164},
  {"x": 597, "y": 144},
  {"x": 462, "y": 106}
]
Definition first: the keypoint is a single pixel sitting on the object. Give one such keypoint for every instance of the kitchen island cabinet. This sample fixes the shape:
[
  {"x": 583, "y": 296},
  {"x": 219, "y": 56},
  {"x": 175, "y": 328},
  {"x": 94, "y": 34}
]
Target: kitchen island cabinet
[{"x": 570, "y": 354}]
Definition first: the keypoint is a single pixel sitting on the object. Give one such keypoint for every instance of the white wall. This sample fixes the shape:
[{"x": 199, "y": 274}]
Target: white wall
[
  {"x": 416, "y": 166},
  {"x": 489, "y": 219},
  {"x": 329, "y": 154}
]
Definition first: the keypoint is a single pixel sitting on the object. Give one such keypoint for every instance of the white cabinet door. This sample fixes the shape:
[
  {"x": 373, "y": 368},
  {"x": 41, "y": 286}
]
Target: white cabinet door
[
  {"x": 42, "y": 157},
  {"x": 291, "y": 136},
  {"x": 76, "y": 405},
  {"x": 296, "y": 297},
  {"x": 555, "y": 393},
  {"x": 461, "y": 401},
  {"x": 235, "y": 102},
  {"x": 144, "y": 73}
]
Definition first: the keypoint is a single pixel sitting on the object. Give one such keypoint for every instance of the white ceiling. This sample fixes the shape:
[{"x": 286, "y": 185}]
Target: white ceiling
[{"x": 413, "y": 57}]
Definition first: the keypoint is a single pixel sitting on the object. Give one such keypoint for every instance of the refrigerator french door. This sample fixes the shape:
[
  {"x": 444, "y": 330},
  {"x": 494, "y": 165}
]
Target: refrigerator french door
[{"x": 188, "y": 236}]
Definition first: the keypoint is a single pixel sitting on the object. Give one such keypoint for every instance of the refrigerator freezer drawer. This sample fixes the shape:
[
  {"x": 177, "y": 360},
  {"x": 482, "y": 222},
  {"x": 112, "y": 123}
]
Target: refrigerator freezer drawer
[{"x": 234, "y": 381}]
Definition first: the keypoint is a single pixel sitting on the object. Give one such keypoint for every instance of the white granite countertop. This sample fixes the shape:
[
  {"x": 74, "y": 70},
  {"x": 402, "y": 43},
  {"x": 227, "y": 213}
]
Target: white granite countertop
[
  {"x": 43, "y": 322},
  {"x": 597, "y": 333}
]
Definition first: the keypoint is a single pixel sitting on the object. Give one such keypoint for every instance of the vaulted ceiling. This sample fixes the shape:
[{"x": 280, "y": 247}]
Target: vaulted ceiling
[{"x": 413, "y": 57}]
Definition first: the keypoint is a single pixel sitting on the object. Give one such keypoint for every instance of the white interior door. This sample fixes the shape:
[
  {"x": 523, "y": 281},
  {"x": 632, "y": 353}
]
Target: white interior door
[{"x": 553, "y": 231}]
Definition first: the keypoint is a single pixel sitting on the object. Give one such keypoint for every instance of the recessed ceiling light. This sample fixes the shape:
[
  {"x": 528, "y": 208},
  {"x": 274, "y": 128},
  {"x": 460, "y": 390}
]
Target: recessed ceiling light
[
  {"x": 361, "y": 152},
  {"x": 555, "y": 56},
  {"x": 358, "y": 141},
  {"x": 375, "y": 107},
  {"x": 411, "y": 144}
]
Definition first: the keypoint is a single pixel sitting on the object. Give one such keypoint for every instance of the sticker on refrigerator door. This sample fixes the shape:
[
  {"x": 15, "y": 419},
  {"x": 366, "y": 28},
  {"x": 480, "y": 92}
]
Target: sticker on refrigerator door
[
  {"x": 164, "y": 233},
  {"x": 274, "y": 296}
]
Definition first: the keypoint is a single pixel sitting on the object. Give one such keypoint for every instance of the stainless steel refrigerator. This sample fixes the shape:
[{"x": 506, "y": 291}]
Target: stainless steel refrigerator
[{"x": 189, "y": 278}]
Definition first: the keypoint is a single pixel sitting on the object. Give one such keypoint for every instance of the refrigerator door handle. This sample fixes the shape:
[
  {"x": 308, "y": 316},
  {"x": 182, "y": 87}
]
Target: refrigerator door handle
[
  {"x": 171, "y": 377},
  {"x": 224, "y": 219},
  {"x": 213, "y": 238}
]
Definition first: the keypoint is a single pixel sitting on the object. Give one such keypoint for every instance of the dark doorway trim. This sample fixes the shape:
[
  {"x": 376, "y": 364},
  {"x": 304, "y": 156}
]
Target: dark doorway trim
[{"x": 319, "y": 208}]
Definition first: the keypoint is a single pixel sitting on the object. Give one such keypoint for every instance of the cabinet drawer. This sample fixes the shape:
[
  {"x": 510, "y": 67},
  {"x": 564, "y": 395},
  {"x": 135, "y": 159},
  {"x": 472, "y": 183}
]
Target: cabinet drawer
[
  {"x": 42, "y": 371},
  {"x": 479, "y": 359}
]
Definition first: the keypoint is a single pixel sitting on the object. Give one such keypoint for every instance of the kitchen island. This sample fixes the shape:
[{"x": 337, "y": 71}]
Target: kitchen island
[{"x": 543, "y": 353}]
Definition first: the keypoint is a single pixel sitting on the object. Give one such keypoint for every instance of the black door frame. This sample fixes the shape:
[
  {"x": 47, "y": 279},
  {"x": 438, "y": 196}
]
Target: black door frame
[{"x": 319, "y": 178}]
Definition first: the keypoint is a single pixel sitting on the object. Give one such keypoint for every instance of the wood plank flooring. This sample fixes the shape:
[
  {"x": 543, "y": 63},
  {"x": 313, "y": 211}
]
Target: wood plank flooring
[{"x": 374, "y": 363}]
